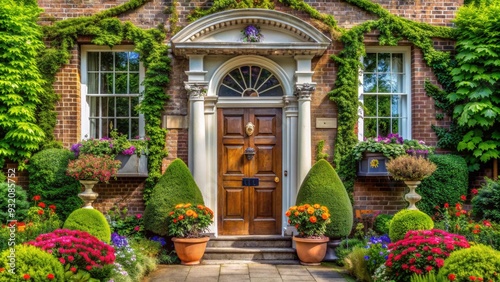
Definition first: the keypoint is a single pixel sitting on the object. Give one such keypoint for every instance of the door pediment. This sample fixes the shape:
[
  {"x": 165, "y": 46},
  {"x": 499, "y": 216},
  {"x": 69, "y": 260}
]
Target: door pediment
[{"x": 220, "y": 34}]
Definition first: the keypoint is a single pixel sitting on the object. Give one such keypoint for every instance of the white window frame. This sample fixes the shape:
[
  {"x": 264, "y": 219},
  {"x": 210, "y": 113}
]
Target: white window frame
[
  {"x": 85, "y": 106},
  {"x": 406, "y": 110}
]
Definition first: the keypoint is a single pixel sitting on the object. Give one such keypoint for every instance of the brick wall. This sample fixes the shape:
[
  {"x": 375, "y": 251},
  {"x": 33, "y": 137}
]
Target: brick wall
[
  {"x": 124, "y": 192},
  {"x": 67, "y": 84},
  {"x": 379, "y": 193}
]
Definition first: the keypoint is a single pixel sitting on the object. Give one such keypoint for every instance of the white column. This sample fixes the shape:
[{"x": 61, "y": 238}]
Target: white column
[
  {"x": 290, "y": 186},
  {"x": 197, "y": 91},
  {"x": 303, "y": 92}
]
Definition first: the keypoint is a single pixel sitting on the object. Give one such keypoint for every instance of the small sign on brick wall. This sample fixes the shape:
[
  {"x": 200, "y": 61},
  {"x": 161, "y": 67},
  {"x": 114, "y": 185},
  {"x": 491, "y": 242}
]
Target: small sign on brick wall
[{"x": 326, "y": 123}]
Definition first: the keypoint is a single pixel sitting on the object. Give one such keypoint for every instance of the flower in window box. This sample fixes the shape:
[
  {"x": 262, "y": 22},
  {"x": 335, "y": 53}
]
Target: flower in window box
[
  {"x": 251, "y": 33},
  {"x": 92, "y": 167},
  {"x": 111, "y": 146}
]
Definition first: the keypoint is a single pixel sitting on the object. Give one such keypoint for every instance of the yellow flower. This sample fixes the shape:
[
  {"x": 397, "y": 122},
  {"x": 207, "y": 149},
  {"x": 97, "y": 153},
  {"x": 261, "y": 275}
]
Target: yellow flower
[
  {"x": 179, "y": 206},
  {"x": 316, "y": 206},
  {"x": 189, "y": 212},
  {"x": 374, "y": 163},
  {"x": 310, "y": 210},
  {"x": 324, "y": 208},
  {"x": 187, "y": 205}
]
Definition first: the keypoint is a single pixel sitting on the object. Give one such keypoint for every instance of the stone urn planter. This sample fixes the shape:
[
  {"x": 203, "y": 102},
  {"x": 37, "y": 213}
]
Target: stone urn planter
[
  {"x": 412, "y": 197},
  {"x": 88, "y": 195},
  {"x": 190, "y": 250},
  {"x": 311, "y": 251}
]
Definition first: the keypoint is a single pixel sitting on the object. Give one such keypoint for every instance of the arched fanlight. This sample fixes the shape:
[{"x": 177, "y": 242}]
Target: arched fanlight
[{"x": 250, "y": 81}]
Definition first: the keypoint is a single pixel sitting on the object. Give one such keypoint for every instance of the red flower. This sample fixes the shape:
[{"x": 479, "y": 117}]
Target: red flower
[
  {"x": 458, "y": 214},
  {"x": 463, "y": 198},
  {"x": 52, "y": 207},
  {"x": 474, "y": 191},
  {"x": 73, "y": 269},
  {"x": 313, "y": 219},
  {"x": 2, "y": 269},
  {"x": 42, "y": 205},
  {"x": 472, "y": 278},
  {"x": 486, "y": 223},
  {"x": 26, "y": 276},
  {"x": 40, "y": 212},
  {"x": 429, "y": 268},
  {"x": 137, "y": 228},
  {"x": 50, "y": 276},
  {"x": 138, "y": 216},
  {"x": 88, "y": 267},
  {"x": 36, "y": 198},
  {"x": 451, "y": 277},
  {"x": 446, "y": 205}
]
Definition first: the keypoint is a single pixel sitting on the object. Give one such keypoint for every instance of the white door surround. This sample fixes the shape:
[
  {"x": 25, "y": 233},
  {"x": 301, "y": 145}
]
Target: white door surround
[{"x": 213, "y": 51}]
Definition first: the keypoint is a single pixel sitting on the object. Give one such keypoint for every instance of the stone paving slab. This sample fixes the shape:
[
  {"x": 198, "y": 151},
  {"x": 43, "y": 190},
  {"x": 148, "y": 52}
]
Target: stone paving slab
[{"x": 246, "y": 272}]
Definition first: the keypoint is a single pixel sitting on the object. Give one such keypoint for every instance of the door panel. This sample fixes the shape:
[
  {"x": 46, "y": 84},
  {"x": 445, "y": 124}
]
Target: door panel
[{"x": 249, "y": 210}]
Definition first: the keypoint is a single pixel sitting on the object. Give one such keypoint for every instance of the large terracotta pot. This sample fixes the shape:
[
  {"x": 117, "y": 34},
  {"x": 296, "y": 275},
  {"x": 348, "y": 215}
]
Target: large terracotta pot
[
  {"x": 311, "y": 251},
  {"x": 88, "y": 196},
  {"x": 190, "y": 250}
]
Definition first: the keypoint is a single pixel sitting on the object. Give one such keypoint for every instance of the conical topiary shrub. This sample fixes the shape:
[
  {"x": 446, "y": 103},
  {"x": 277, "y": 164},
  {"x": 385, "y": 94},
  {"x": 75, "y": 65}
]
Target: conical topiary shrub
[
  {"x": 176, "y": 186},
  {"x": 323, "y": 186}
]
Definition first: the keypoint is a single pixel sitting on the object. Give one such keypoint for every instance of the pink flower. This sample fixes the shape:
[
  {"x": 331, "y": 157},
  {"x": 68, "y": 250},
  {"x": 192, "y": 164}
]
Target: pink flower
[
  {"x": 62, "y": 260},
  {"x": 138, "y": 216},
  {"x": 474, "y": 191},
  {"x": 137, "y": 228}
]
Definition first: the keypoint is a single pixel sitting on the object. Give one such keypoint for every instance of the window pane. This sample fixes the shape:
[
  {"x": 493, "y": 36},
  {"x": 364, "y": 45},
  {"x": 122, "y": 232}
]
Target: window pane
[
  {"x": 384, "y": 83},
  {"x": 369, "y": 83},
  {"x": 135, "y": 102},
  {"x": 94, "y": 128},
  {"x": 384, "y": 126},
  {"x": 106, "y": 83},
  {"x": 370, "y": 129},
  {"x": 134, "y": 83},
  {"x": 395, "y": 125},
  {"x": 122, "y": 126},
  {"x": 108, "y": 107},
  {"x": 396, "y": 106},
  {"x": 370, "y": 103},
  {"x": 230, "y": 81},
  {"x": 133, "y": 61},
  {"x": 106, "y": 61},
  {"x": 397, "y": 63},
  {"x": 106, "y": 127},
  {"x": 93, "y": 83},
  {"x": 397, "y": 85},
  {"x": 384, "y": 62},
  {"x": 245, "y": 72},
  {"x": 255, "y": 76},
  {"x": 369, "y": 62},
  {"x": 227, "y": 92},
  {"x": 92, "y": 61},
  {"x": 121, "y": 83},
  {"x": 134, "y": 128},
  {"x": 250, "y": 81},
  {"x": 94, "y": 106},
  {"x": 122, "y": 107},
  {"x": 384, "y": 106},
  {"x": 121, "y": 61}
]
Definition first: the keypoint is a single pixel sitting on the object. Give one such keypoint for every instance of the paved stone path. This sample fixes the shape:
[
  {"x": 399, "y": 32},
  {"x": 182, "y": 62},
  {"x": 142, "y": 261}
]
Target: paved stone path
[{"x": 247, "y": 272}]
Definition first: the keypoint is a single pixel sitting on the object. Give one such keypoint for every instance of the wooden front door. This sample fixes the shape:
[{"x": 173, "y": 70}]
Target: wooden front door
[{"x": 245, "y": 210}]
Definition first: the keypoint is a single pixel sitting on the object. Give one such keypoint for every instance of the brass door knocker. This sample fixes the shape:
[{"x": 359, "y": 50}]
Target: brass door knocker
[{"x": 249, "y": 128}]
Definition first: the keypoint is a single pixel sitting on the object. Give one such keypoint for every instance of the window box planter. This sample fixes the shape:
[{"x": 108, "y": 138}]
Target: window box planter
[
  {"x": 373, "y": 164},
  {"x": 133, "y": 165}
]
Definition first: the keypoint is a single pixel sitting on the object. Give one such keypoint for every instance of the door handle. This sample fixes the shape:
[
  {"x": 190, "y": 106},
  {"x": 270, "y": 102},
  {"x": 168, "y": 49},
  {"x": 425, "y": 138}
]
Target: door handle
[{"x": 277, "y": 179}]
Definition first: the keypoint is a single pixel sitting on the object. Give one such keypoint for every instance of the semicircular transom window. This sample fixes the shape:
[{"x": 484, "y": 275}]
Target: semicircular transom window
[{"x": 250, "y": 81}]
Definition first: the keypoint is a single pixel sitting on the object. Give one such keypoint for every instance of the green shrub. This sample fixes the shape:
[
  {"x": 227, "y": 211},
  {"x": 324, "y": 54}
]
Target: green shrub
[
  {"x": 429, "y": 277},
  {"x": 323, "y": 186},
  {"x": 406, "y": 220},
  {"x": 91, "y": 221},
  {"x": 445, "y": 185},
  {"x": 13, "y": 196},
  {"x": 32, "y": 261},
  {"x": 177, "y": 185},
  {"x": 382, "y": 223},
  {"x": 345, "y": 247},
  {"x": 479, "y": 261},
  {"x": 47, "y": 178},
  {"x": 356, "y": 264},
  {"x": 3, "y": 178},
  {"x": 486, "y": 204}
]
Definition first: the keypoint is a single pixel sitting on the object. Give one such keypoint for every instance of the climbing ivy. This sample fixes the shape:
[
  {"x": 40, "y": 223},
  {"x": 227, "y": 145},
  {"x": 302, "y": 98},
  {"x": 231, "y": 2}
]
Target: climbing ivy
[
  {"x": 20, "y": 80},
  {"x": 105, "y": 29}
]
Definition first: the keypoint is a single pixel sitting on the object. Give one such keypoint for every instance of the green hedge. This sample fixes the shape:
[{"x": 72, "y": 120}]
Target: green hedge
[
  {"x": 47, "y": 178},
  {"x": 8, "y": 194},
  {"x": 445, "y": 185},
  {"x": 486, "y": 204},
  {"x": 406, "y": 220}
]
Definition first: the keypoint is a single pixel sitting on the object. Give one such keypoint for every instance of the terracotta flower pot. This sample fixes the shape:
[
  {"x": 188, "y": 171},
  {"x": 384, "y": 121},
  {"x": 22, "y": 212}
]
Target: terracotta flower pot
[
  {"x": 190, "y": 250},
  {"x": 311, "y": 251}
]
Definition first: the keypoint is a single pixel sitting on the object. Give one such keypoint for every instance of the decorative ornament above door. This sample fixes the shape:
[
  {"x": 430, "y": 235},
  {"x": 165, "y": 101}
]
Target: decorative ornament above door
[{"x": 249, "y": 128}]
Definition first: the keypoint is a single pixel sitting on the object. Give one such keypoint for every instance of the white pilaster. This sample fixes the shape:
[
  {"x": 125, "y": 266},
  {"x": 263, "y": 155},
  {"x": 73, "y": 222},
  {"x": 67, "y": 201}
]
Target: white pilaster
[{"x": 290, "y": 186}]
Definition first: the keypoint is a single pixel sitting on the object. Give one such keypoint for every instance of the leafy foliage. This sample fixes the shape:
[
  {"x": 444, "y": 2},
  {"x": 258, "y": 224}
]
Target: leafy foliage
[
  {"x": 20, "y": 81},
  {"x": 48, "y": 179},
  {"x": 21, "y": 204},
  {"x": 189, "y": 221},
  {"x": 479, "y": 261},
  {"x": 410, "y": 168},
  {"x": 382, "y": 223},
  {"x": 477, "y": 80},
  {"x": 323, "y": 186},
  {"x": 486, "y": 204}
]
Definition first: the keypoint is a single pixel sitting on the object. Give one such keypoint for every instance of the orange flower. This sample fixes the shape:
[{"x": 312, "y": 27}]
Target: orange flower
[
  {"x": 296, "y": 213},
  {"x": 316, "y": 206},
  {"x": 179, "y": 206},
  {"x": 200, "y": 207},
  {"x": 288, "y": 213},
  {"x": 310, "y": 210},
  {"x": 324, "y": 208},
  {"x": 307, "y": 206},
  {"x": 189, "y": 212},
  {"x": 187, "y": 205},
  {"x": 195, "y": 215},
  {"x": 292, "y": 208},
  {"x": 325, "y": 216},
  {"x": 301, "y": 208},
  {"x": 181, "y": 217},
  {"x": 40, "y": 212},
  {"x": 289, "y": 221},
  {"x": 171, "y": 213},
  {"x": 313, "y": 219}
]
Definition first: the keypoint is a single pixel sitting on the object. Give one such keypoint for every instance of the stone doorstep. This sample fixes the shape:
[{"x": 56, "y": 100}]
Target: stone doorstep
[{"x": 231, "y": 253}]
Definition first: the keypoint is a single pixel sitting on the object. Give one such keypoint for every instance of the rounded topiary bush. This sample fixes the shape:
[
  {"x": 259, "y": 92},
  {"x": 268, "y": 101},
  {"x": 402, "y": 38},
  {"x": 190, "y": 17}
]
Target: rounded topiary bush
[
  {"x": 31, "y": 264},
  {"x": 323, "y": 186},
  {"x": 91, "y": 221},
  {"x": 480, "y": 261},
  {"x": 406, "y": 220},
  {"x": 176, "y": 186},
  {"x": 9, "y": 192},
  {"x": 445, "y": 185},
  {"x": 47, "y": 178}
]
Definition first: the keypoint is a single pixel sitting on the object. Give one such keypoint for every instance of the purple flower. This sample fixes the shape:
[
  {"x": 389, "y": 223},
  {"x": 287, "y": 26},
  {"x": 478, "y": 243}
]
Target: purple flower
[
  {"x": 130, "y": 151},
  {"x": 75, "y": 148},
  {"x": 119, "y": 241},
  {"x": 159, "y": 239}
]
